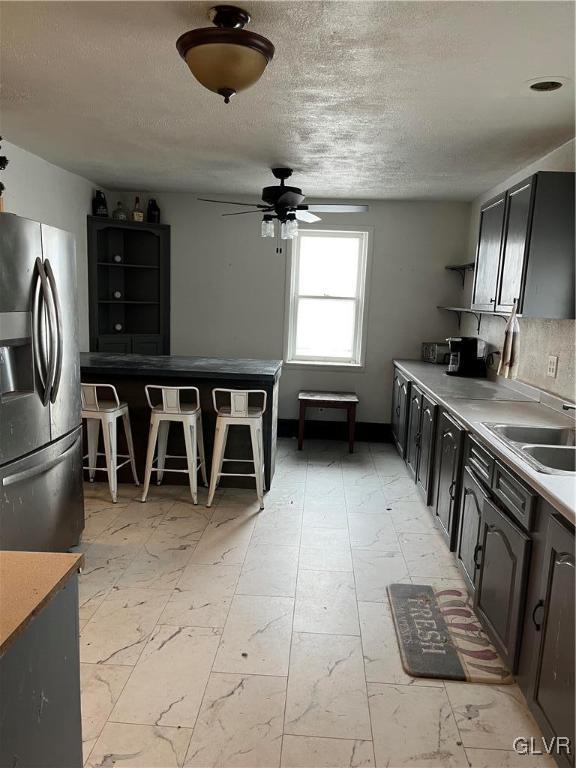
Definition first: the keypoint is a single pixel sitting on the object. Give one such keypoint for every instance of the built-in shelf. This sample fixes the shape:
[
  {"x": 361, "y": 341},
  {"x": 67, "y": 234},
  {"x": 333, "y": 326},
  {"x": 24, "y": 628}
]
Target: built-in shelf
[
  {"x": 122, "y": 301},
  {"x": 129, "y": 266},
  {"x": 478, "y": 314},
  {"x": 461, "y": 269}
]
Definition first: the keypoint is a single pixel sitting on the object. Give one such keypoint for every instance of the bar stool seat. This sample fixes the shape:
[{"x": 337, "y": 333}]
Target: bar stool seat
[
  {"x": 104, "y": 412},
  {"x": 237, "y": 411},
  {"x": 171, "y": 409}
]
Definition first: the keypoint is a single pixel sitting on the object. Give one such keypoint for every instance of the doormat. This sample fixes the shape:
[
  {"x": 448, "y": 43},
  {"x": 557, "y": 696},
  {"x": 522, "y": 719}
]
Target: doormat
[{"x": 440, "y": 636}]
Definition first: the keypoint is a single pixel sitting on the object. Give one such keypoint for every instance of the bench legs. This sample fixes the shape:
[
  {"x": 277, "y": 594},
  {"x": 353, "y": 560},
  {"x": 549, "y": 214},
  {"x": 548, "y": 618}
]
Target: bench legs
[
  {"x": 301, "y": 420},
  {"x": 351, "y": 426},
  {"x": 351, "y": 416}
]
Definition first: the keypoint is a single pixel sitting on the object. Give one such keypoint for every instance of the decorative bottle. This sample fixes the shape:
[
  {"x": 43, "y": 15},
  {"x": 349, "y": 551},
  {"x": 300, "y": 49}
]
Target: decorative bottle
[
  {"x": 153, "y": 212},
  {"x": 137, "y": 212},
  {"x": 120, "y": 213},
  {"x": 99, "y": 204}
]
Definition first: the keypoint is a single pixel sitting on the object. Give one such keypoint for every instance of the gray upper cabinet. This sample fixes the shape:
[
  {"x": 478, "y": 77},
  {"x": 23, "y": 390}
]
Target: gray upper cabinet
[
  {"x": 514, "y": 250},
  {"x": 488, "y": 253},
  {"x": 525, "y": 249}
]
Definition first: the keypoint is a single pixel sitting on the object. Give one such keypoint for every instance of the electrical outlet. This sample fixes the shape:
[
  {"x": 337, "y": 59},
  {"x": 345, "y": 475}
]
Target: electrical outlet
[{"x": 552, "y": 366}]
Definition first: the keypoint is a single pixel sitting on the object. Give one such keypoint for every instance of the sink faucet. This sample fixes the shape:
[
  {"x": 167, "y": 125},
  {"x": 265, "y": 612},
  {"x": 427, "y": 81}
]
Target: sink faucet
[{"x": 568, "y": 407}]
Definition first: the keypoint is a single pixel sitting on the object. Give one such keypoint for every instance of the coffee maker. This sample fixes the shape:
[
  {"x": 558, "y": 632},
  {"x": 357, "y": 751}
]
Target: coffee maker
[{"x": 467, "y": 356}]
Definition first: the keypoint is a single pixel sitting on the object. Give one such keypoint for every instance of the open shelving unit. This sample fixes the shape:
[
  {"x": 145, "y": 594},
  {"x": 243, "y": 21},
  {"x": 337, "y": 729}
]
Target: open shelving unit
[
  {"x": 131, "y": 259},
  {"x": 461, "y": 269},
  {"x": 478, "y": 314}
]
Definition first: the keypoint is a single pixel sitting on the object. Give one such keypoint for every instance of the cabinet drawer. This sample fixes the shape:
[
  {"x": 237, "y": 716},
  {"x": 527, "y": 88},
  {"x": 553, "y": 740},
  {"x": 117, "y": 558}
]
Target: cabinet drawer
[
  {"x": 479, "y": 460},
  {"x": 518, "y": 500}
]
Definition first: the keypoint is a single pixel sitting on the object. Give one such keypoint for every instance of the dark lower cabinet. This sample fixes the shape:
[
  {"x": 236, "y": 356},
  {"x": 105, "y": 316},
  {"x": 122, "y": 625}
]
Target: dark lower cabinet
[
  {"x": 551, "y": 693},
  {"x": 447, "y": 475},
  {"x": 472, "y": 498},
  {"x": 413, "y": 433},
  {"x": 426, "y": 458},
  {"x": 399, "y": 416},
  {"x": 503, "y": 551},
  {"x": 138, "y": 344}
]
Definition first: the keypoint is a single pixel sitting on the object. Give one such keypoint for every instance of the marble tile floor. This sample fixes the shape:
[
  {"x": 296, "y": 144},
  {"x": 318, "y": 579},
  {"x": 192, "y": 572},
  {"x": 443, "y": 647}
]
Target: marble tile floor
[{"x": 229, "y": 637}]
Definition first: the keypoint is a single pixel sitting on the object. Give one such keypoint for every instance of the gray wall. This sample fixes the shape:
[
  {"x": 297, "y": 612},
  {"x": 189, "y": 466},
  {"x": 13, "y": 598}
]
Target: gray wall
[
  {"x": 538, "y": 338},
  {"x": 228, "y": 290},
  {"x": 44, "y": 192}
]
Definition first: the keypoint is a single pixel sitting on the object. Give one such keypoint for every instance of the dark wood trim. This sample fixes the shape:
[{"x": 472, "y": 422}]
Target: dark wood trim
[{"x": 372, "y": 432}]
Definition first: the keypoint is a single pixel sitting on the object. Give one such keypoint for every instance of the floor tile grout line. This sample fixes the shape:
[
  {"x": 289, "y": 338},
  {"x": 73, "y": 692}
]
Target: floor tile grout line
[
  {"x": 360, "y": 630},
  {"x": 292, "y": 627}
]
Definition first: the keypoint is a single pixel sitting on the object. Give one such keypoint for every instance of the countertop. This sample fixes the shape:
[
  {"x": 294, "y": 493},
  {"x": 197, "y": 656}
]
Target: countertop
[
  {"x": 27, "y": 580},
  {"x": 475, "y": 401},
  {"x": 102, "y": 363}
]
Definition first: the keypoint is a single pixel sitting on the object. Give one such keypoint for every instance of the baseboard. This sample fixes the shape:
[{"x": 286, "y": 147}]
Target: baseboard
[{"x": 366, "y": 431}]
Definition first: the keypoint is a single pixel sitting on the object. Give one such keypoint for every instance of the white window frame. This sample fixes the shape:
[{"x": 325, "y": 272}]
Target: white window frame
[{"x": 292, "y": 297}]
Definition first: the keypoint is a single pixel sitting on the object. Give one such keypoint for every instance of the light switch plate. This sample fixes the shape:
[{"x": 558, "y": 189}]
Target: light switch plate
[{"x": 552, "y": 366}]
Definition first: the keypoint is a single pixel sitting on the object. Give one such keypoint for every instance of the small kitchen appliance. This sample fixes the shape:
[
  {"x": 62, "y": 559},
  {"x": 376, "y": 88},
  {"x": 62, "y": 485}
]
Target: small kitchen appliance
[
  {"x": 467, "y": 356},
  {"x": 435, "y": 352}
]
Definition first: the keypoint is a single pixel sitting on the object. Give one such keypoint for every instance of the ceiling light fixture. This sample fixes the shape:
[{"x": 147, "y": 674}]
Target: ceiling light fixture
[{"x": 225, "y": 58}]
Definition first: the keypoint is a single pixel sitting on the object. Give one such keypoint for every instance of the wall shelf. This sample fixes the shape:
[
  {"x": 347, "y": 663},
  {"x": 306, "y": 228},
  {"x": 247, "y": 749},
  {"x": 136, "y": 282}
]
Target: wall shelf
[
  {"x": 461, "y": 269},
  {"x": 129, "y": 266},
  {"x": 478, "y": 314}
]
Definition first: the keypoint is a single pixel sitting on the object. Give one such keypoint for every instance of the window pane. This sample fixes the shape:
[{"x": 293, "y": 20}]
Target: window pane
[
  {"x": 328, "y": 265},
  {"x": 325, "y": 328}
]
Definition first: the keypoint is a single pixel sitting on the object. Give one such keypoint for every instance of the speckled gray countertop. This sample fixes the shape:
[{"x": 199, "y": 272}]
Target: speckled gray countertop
[
  {"x": 101, "y": 363},
  {"x": 476, "y": 402}
]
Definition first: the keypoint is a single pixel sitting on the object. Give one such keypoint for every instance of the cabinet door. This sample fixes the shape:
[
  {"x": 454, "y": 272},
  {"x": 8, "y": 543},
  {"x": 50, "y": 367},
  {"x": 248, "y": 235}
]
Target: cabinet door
[
  {"x": 395, "y": 415},
  {"x": 400, "y": 411},
  {"x": 554, "y": 674},
  {"x": 146, "y": 345},
  {"x": 448, "y": 452},
  {"x": 488, "y": 253},
  {"x": 413, "y": 434},
  {"x": 501, "y": 584},
  {"x": 472, "y": 499},
  {"x": 120, "y": 344},
  {"x": 515, "y": 247},
  {"x": 427, "y": 434}
]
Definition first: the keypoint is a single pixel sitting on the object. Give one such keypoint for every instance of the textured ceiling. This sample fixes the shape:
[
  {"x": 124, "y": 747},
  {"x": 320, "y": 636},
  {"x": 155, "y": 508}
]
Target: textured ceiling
[{"x": 363, "y": 99}]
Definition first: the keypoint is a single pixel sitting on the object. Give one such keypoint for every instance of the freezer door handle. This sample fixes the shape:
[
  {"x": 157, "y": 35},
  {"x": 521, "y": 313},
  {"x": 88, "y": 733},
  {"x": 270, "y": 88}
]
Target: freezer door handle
[
  {"x": 58, "y": 328},
  {"x": 39, "y": 469}
]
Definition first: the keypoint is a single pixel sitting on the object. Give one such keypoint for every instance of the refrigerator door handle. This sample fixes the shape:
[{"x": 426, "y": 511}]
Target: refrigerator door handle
[
  {"x": 39, "y": 469},
  {"x": 59, "y": 334},
  {"x": 41, "y": 297}
]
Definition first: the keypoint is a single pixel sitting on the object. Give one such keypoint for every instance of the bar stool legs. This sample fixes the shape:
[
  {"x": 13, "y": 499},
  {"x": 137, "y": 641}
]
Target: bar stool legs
[
  {"x": 190, "y": 416},
  {"x": 237, "y": 411},
  {"x": 101, "y": 407}
]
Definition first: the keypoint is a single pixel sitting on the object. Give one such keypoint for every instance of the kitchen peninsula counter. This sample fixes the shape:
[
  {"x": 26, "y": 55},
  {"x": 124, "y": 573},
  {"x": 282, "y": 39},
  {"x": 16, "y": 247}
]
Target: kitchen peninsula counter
[{"x": 130, "y": 373}]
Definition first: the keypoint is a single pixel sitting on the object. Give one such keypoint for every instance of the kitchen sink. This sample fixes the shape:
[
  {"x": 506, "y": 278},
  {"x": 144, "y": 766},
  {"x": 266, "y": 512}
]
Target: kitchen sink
[
  {"x": 553, "y": 457},
  {"x": 537, "y": 435},
  {"x": 547, "y": 449}
]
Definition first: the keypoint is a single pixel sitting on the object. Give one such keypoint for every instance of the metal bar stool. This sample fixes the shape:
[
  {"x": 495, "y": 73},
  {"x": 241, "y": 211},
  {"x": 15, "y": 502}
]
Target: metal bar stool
[
  {"x": 106, "y": 410},
  {"x": 237, "y": 411},
  {"x": 190, "y": 416}
]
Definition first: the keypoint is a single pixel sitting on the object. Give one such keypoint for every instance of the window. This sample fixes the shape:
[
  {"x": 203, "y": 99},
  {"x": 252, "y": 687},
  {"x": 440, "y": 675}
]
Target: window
[{"x": 326, "y": 301}]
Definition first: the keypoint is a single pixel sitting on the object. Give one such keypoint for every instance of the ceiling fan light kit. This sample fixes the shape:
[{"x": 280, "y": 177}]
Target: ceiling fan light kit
[
  {"x": 226, "y": 58},
  {"x": 286, "y": 204}
]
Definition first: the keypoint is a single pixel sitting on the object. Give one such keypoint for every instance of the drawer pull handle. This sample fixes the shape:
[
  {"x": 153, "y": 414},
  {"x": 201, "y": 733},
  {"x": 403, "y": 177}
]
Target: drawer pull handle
[
  {"x": 397, "y": 410},
  {"x": 539, "y": 604},
  {"x": 477, "y": 551},
  {"x": 451, "y": 490}
]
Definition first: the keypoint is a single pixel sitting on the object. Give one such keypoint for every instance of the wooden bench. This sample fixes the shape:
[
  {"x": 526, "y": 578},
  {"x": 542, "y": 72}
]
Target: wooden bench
[{"x": 344, "y": 400}]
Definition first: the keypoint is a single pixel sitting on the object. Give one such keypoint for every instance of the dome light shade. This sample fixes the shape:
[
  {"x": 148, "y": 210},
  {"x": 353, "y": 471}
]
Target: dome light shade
[{"x": 226, "y": 58}]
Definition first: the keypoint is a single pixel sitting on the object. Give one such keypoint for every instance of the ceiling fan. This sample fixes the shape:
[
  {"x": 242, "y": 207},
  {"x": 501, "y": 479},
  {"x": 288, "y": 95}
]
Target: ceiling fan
[{"x": 286, "y": 204}]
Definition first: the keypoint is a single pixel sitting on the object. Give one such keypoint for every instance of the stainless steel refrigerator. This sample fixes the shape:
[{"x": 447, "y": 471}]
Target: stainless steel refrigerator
[{"x": 41, "y": 500}]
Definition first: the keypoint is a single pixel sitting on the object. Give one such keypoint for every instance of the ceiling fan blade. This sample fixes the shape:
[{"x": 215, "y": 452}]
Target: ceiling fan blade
[
  {"x": 229, "y": 202},
  {"x": 307, "y": 216},
  {"x": 289, "y": 200},
  {"x": 337, "y": 208},
  {"x": 239, "y": 213}
]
